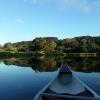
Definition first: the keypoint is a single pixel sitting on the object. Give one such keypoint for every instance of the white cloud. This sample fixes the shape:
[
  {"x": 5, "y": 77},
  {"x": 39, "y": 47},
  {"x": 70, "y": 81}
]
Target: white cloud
[
  {"x": 32, "y": 1},
  {"x": 82, "y": 5},
  {"x": 25, "y": 0},
  {"x": 20, "y": 21}
]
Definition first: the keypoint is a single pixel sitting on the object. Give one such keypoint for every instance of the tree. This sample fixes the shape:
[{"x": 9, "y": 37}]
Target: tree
[
  {"x": 50, "y": 46},
  {"x": 38, "y": 44},
  {"x": 9, "y": 47}
]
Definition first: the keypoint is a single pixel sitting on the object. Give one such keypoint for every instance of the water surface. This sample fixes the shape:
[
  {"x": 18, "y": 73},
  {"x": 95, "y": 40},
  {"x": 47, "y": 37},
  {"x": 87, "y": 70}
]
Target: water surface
[{"x": 21, "y": 79}]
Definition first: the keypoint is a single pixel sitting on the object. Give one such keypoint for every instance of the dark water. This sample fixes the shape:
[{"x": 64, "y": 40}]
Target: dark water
[{"x": 22, "y": 78}]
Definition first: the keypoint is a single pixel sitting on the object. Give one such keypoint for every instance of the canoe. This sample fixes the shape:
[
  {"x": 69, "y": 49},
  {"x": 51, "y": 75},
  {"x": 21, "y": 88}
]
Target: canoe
[{"x": 66, "y": 86}]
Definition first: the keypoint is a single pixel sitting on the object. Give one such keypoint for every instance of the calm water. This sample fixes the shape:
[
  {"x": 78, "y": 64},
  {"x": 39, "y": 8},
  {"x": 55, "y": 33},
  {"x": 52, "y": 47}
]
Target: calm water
[{"x": 22, "y": 78}]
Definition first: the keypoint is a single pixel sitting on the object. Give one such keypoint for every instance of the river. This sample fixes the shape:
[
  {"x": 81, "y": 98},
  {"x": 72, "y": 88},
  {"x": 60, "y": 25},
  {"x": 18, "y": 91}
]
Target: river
[{"x": 21, "y": 78}]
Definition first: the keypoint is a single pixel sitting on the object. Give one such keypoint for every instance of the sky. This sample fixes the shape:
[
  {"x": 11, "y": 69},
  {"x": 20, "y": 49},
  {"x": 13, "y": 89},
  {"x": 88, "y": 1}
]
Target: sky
[{"x": 22, "y": 20}]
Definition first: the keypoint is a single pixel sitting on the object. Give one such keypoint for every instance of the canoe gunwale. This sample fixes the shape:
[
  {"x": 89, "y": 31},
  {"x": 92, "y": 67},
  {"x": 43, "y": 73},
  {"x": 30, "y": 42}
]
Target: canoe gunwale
[
  {"x": 88, "y": 88},
  {"x": 45, "y": 87}
]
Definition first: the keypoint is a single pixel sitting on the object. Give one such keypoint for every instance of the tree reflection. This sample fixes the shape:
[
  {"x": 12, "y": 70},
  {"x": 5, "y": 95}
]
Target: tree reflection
[{"x": 44, "y": 63}]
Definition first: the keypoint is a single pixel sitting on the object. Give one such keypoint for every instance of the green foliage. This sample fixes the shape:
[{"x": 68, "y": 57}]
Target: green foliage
[
  {"x": 43, "y": 44},
  {"x": 46, "y": 45},
  {"x": 38, "y": 44}
]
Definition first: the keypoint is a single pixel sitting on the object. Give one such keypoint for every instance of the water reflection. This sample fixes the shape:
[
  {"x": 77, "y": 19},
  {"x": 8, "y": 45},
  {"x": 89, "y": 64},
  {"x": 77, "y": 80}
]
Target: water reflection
[
  {"x": 21, "y": 83},
  {"x": 52, "y": 63},
  {"x": 20, "y": 78}
]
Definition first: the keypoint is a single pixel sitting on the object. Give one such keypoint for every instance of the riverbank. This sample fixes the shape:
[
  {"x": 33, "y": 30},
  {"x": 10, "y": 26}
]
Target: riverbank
[{"x": 32, "y": 54}]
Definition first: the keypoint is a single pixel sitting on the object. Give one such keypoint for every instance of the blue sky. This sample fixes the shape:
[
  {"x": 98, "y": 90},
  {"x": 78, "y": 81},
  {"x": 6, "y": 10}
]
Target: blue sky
[{"x": 26, "y": 19}]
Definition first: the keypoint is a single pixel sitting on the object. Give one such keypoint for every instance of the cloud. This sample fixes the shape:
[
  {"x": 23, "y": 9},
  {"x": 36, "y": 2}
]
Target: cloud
[
  {"x": 25, "y": 0},
  {"x": 32, "y": 1},
  {"x": 96, "y": 4},
  {"x": 20, "y": 21},
  {"x": 82, "y": 5}
]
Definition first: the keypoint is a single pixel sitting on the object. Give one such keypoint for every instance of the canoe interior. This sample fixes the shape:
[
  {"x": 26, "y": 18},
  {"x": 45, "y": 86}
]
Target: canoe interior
[
  {"x": 67, "y": 83},
  {"x": 86, "y": 93},
  {"x": 72, "y": 87}
]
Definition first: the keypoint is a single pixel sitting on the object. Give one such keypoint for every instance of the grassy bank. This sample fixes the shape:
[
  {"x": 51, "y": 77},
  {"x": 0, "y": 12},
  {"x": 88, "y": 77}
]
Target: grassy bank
[
  {"x": 81, "y": 55},
  {"x": 15, "y": 54},
  {"x": 31, "y": 54}
]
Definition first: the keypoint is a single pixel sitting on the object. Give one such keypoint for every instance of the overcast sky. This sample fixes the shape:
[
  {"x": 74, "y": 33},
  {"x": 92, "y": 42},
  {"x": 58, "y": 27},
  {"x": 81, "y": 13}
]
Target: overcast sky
[{"x": 26, "y": 19}]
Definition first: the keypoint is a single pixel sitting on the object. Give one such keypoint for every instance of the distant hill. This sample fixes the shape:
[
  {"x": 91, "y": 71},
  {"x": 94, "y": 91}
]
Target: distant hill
[{"x": 53, "y": 44}]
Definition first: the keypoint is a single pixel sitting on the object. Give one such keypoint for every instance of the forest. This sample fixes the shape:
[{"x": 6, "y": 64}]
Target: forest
[{"x": 53, "y": 45}]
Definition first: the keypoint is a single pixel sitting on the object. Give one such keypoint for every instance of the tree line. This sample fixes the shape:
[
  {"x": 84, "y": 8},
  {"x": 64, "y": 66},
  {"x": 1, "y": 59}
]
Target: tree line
[{"x": 84, "y": 44}]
